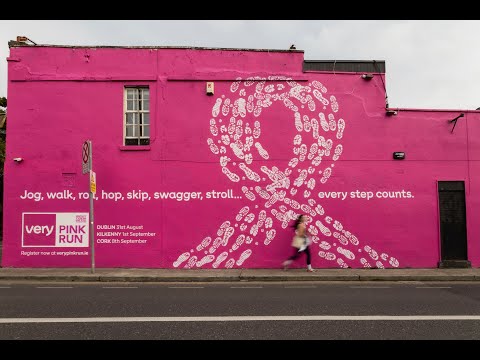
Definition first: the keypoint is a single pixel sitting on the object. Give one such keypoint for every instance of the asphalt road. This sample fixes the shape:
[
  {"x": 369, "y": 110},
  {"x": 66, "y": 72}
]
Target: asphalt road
[{"x": 239, "y": 311}]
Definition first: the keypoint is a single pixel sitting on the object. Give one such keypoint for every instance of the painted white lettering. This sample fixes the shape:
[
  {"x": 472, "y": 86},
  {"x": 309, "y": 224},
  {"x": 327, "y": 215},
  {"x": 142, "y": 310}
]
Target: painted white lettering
[
  {"x": 37, "y": 229},
  {"x": 333, "y": 195},
  {"x": 37, "y": 196}
]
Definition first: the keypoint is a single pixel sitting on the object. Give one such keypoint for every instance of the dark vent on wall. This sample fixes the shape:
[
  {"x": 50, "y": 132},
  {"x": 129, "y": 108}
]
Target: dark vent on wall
[
  {"x": 69, "y": 179},
  {"x": 345, "y": 66}
]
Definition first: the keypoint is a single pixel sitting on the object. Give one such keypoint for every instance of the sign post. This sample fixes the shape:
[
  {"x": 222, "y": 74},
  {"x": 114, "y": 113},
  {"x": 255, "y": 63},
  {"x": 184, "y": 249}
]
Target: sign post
[{"x": 87, "y": 169}]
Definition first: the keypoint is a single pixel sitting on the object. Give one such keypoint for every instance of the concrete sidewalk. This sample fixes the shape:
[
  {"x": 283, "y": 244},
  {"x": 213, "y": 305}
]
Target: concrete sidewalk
[{"x": 235, "y": 275}]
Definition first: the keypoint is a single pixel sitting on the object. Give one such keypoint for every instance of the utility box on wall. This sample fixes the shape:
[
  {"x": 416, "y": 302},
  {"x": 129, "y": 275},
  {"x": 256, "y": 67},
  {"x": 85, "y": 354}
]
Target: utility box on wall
[{"x": 210, "y": 88}]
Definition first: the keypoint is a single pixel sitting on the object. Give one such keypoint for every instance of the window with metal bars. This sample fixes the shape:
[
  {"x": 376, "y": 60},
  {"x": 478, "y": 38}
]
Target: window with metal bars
[{"x": 136, "y": 116}]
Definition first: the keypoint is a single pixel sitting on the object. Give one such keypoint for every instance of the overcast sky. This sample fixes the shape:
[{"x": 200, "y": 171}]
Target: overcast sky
[{"x": 430, "y": 64}]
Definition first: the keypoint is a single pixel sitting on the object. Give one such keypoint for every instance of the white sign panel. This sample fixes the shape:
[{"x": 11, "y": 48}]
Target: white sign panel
[{"x": 55, "y": 229}]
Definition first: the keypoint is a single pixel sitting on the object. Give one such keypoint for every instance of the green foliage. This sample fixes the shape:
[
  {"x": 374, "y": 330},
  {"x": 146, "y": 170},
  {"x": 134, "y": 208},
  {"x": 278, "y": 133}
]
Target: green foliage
[
  {"x": 2, "y": 154},
  {"x": 3, "y": 102}
]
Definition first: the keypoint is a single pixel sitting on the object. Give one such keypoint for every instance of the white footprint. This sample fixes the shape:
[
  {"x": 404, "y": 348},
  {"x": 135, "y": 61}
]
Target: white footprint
[
  {"x": 244, "y": 256},
  {"x": 220, "y": 259},
  {"x": 181, "y": 259}
]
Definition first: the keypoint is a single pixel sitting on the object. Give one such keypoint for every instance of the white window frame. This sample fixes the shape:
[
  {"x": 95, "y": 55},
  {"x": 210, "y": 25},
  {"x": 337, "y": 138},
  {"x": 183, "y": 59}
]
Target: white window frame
[{"x": 138, "y": 128}]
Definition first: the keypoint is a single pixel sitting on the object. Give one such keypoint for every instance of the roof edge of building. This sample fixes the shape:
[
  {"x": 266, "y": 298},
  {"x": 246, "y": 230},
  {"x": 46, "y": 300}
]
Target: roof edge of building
[{"x": 14, "y": 43}]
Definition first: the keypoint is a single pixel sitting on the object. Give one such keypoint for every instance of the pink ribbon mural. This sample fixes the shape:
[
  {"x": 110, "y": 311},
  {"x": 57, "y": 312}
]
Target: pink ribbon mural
[{"x": 278, "y": 193}]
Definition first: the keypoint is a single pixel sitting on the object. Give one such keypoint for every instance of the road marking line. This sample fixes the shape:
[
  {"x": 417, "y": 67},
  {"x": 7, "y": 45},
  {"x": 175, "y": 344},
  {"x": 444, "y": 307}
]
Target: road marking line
[
  {"x": 54, "y": 287},
  {"x": 242, "y": 318},
  {"x": 246, "y": 287},
  {"x": 185, "y": 287},
  {"x": 5, "y": 287},
  {"x": 300, "y": 287},
  {"x": 433, "y": 287},
  {"x": 120, "y": 287},
  {"x": 370, "y": 287}
]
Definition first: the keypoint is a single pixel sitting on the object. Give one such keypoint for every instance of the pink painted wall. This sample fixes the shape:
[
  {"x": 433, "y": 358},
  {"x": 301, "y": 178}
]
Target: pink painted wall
[{"x": 59, "y": 97}]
